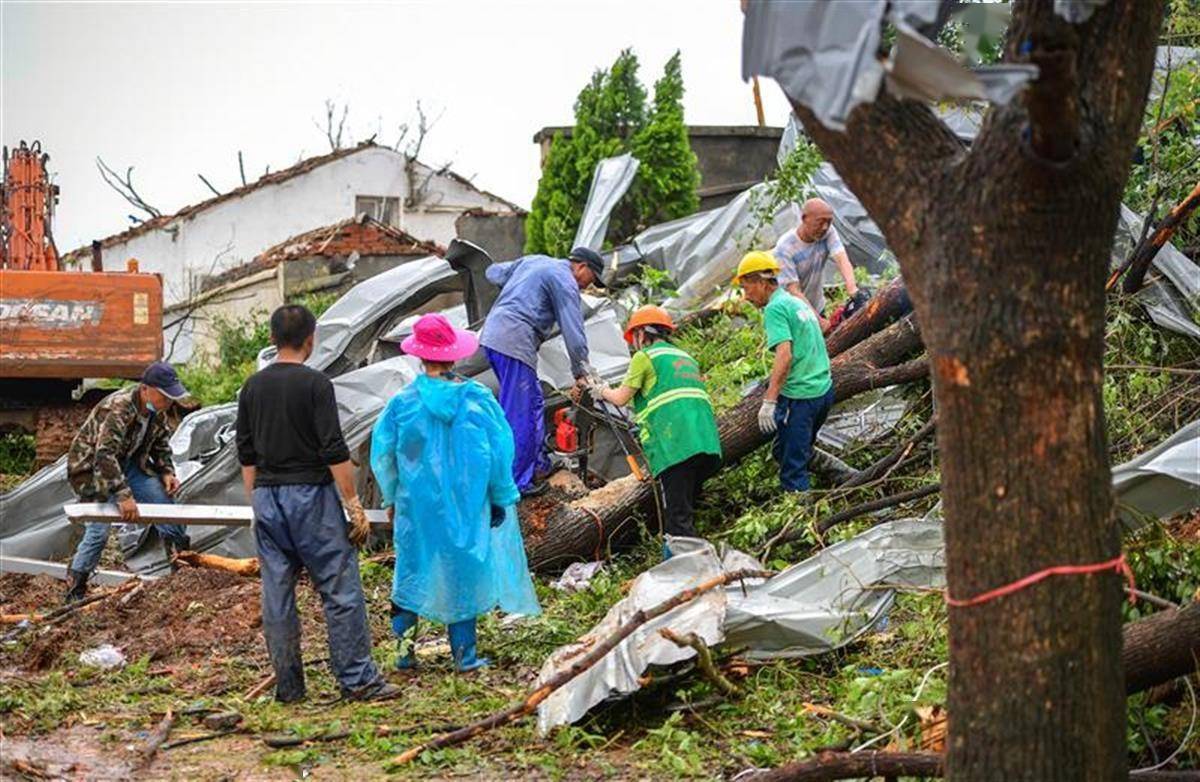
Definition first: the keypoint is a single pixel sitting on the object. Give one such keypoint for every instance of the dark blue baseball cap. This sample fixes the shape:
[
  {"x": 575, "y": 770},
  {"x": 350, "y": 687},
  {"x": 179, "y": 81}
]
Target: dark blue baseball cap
[
  {"x": 591, "y": 259},
  {"x": 161, "y": 375}
]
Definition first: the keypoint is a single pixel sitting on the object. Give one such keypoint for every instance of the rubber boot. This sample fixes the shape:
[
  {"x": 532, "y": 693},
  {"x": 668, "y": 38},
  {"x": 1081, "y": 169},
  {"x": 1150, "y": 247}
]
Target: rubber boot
[
  {"x": 76, "y": 585},
  {"x": 404, "y": 621},
  {"x": 462, "y": 646},
  {"x": 666, "y": 551}
]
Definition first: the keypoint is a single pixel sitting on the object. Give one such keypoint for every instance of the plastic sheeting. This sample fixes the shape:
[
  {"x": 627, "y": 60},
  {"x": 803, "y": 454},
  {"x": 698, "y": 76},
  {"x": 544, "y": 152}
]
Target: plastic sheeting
[
  {"x": 610, "y": 182},
  {"x": 813, "y": 607},
  {"x": 1161, "y": 482}
]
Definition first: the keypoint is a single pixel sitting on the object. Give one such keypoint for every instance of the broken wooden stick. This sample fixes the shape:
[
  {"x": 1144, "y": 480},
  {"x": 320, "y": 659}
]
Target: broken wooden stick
[
  {"x": 859, "y": 726},
  {"x": 829, "y": 522},
  {"x": 703, "y": 659},
  {"x": 543, "y": 691},
  {"x": 60, "y": 615},
  {"x": 242, "y": 567},
  {"x": 157, "y": 738}
]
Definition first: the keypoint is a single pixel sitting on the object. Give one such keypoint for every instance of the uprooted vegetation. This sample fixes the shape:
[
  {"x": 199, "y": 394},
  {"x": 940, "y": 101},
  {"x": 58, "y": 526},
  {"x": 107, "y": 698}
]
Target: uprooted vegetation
[{"x": 193, "y": 643}]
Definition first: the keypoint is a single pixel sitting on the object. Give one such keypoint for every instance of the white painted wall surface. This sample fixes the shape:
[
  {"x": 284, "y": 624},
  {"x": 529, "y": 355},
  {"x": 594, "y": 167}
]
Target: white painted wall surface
[{"x": 234, "y": 231}]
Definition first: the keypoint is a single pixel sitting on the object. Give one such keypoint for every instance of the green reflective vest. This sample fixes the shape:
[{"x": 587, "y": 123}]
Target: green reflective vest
[{"x": 675, "y": 419}]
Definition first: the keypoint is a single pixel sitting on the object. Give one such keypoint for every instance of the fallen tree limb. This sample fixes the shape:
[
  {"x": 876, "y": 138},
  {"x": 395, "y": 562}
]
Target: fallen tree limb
[
  {"x": 845, "y": 765},
  {"x": 197, "y": 739},
  {"x": 1139, "y": 260},
  {"x": 880, "y": 467},
  {"x": 157, "y": 738},
  {"x": 829, "y": 522},
  {"x": 890, "y": 765},
  {"x": 1161, "y": 647},
  {"x": 60, "y": 615},
  {"x": 530, "y": 703},
  {"x": 888, "y": 305},
  {"x": 243, "y": 567},
  {"x": 579, "y": 529},
  {"x": 703, "y": 659}
]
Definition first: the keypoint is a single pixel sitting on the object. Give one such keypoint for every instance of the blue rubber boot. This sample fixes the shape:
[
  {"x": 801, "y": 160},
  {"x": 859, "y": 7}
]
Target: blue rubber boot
[
  {"x": 666, "y": 551},
  {"x": 462, "y": 646},
  {"x": 404, "y": 623}
]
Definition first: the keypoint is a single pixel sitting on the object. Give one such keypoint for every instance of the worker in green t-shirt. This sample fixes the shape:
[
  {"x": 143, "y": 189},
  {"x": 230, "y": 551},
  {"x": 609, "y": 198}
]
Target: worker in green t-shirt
[
  {"x": 673, "y": 413},
  {"x": 800, "y": 389}
]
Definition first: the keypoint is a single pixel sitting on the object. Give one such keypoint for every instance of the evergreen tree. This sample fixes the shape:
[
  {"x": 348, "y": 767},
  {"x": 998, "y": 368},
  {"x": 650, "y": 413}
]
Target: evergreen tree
[
  {"x": 666, "y": 184},
  {"x": 610, "y": 119}
]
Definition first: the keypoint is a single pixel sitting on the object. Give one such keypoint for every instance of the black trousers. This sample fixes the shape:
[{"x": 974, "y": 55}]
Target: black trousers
[{"x": 681, "y": 491}]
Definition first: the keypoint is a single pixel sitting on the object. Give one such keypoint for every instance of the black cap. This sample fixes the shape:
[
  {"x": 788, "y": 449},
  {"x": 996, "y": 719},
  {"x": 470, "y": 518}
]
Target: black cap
[
  {"x": 592, "y": 260},
  {"x": 161, "y": 375}
]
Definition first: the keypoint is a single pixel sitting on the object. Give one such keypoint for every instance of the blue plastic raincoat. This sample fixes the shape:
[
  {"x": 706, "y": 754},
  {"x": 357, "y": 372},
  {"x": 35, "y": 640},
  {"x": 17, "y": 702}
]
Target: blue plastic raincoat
[{"x": 442, "y": 454}]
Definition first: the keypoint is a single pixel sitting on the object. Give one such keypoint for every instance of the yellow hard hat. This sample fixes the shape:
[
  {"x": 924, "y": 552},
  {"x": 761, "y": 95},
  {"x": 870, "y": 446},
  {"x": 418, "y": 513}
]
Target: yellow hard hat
[{"x": 755, "y": 261}]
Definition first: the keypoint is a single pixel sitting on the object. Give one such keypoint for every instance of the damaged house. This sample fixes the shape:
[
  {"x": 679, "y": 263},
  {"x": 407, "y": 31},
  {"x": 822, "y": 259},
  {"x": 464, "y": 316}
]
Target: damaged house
[{"x": 206, "y": 240}]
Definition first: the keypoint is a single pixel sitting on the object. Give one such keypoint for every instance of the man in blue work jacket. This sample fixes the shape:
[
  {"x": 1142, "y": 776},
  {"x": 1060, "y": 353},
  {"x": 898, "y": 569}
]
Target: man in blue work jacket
[{"x": 536, "y": 292}]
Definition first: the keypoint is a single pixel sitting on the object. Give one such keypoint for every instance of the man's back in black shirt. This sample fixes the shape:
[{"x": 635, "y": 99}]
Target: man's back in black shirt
[{"x": 287, "y": 426}]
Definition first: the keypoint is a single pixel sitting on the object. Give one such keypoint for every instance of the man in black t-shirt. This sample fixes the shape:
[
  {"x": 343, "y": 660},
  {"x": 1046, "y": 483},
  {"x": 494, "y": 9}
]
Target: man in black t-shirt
[{"x": 292, "y": 452}]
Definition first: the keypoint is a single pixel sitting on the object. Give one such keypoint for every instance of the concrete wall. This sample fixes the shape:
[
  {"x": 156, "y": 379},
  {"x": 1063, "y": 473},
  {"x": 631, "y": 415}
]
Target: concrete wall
[
  {"x": 501, "y": 234},
  {"x": 234, "y": 231}
]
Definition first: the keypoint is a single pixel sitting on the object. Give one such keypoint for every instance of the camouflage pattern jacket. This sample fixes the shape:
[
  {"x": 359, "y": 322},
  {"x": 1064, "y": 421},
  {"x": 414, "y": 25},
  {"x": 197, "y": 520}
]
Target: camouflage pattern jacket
[{"x": 117, "y": 430}]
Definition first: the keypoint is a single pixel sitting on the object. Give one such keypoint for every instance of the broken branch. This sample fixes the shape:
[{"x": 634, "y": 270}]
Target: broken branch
[
  {"x": 124, "y": 187},
  {"x": 845, "y": 765},
  {"x": 1161, "y": 647},
  {"x": 703, "y": 659},
  {"x": 1139, "y": 260},
  {"x": 526, "y": 706},
  {"x": 242, "y": 567},
  {"x": 157, "y": 737},
  {"x": 883, "y": 465}
]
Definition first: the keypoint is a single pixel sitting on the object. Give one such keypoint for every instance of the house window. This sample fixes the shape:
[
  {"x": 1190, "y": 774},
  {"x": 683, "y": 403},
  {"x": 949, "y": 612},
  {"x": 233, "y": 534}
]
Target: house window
[{"x": 385, "y": 209}]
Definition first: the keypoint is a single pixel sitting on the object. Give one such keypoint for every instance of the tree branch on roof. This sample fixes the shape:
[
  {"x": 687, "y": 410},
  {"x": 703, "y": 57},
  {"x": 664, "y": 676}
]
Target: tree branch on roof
[
  {"x": 124, "y": 187},
  {"x": 216, "y": 192},
  {"x": 333, "y": 130}
]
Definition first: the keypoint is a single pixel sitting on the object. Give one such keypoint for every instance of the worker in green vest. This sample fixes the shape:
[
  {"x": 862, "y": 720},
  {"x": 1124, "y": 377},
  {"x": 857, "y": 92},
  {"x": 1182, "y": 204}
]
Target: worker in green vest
[{"x": 673, "y": 413}]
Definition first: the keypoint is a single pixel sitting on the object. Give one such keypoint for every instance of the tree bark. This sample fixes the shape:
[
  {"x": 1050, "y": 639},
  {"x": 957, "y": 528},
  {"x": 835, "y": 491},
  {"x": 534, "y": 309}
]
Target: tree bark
[
  {"x": 889, "y": 304},
  {"x": 557, "y": 534},
  {"x": 1161, "y": 647},
  {"x": 1004, "y": 249}
]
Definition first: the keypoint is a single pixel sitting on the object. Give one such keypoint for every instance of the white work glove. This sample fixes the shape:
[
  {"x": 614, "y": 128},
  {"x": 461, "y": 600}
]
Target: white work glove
[{"x": 766, "y": 416}]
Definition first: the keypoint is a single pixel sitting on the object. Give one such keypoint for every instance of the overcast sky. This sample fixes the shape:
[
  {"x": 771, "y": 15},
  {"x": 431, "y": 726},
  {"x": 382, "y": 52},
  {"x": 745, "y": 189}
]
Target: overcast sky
[{"x": 177, "y": 89}]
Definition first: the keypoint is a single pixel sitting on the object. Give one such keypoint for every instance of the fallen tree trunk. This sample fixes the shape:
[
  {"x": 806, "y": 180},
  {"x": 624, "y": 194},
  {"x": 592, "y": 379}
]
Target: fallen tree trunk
[
  {"x": 582, "y": 529},
  {"x": 1161, "y": 647},
  {"x": 888, "y": 305}
]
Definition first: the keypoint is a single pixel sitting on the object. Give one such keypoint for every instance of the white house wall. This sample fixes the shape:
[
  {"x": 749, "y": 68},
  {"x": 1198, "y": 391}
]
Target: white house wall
[{"x": 232, "y": 232}]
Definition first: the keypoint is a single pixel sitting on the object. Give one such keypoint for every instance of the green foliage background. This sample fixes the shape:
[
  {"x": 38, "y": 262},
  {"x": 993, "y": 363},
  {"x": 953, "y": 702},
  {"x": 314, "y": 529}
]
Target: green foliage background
[{"x": 611, "y": 118}]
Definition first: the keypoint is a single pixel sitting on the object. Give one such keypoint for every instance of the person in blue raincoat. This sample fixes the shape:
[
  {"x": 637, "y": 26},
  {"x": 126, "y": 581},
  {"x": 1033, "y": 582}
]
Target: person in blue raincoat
[{"x": 442, "y": 454}]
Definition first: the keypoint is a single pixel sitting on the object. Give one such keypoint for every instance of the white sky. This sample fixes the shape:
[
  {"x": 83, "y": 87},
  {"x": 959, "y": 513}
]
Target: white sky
[{"x": 178, "y": 89}]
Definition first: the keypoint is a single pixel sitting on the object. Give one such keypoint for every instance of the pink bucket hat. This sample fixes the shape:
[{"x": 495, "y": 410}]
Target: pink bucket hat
[{"x": 434, "y": 339}]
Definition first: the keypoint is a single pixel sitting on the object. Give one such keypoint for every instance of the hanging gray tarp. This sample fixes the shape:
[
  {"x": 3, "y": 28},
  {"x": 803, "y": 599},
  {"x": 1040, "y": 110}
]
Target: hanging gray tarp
[
  {"x": 1162, "y": 482},
  {"x": 610, "y": 181},
  {"x": 824, "y": 56},
  {"x": 816, "y": 606}
]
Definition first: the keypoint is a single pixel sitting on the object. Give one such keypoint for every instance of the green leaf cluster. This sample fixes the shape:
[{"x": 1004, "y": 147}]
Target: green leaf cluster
[{"x": 611, "y": 118}]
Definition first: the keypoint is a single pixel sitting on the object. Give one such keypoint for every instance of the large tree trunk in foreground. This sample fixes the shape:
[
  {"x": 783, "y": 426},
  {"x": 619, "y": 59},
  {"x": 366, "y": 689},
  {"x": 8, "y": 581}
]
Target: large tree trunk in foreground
[
  {"x": 1161, "y": 647},
  {"x": 582, "y": 529},
  {"x": 1004, "y": 248}
]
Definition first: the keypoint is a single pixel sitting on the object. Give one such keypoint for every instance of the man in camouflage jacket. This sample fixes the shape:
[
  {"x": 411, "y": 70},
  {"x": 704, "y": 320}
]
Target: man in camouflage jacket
[{"x": 122, "y": 454}]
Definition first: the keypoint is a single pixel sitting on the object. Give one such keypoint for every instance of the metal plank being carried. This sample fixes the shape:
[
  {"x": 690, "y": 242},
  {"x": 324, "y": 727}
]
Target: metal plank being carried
[
  {"x": 185, "y": 515},
  {"x": 42, "y": 567}
]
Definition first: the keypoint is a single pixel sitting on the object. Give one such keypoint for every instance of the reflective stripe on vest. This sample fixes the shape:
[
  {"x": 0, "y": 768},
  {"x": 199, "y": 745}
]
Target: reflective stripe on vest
[{"x": 673, "y": 395}]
